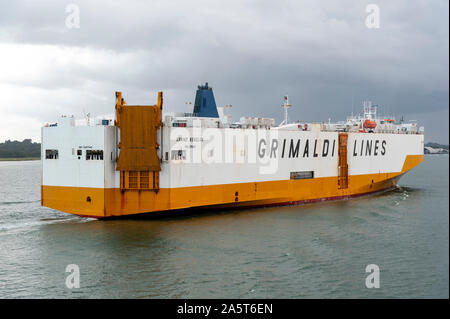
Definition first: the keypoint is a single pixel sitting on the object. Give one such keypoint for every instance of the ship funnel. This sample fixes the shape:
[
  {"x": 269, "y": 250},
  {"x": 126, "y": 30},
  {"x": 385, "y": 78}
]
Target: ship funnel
[{"x": 205, "y": 104}]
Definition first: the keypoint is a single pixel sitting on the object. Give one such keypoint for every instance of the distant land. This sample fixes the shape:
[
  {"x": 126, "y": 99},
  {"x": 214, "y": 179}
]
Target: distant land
[
  {"x": 20, "y": 151},
  {"x": 28, "y": 150}
]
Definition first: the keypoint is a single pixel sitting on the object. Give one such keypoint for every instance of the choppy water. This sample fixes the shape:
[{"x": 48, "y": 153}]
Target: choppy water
[{"x": 309, "y": 251}]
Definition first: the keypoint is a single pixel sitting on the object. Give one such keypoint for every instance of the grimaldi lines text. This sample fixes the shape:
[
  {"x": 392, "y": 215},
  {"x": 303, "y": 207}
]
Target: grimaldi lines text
[{"x": 144, "y": 161}]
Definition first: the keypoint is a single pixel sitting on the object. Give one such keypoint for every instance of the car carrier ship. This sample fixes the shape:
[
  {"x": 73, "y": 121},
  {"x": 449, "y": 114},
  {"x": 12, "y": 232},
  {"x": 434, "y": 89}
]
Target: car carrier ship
[{"x": 143, "y": 161}]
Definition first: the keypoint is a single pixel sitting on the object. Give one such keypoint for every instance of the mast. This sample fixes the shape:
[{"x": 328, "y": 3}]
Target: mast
[
  {"x": 285, "y": 106},
  {"x": 370, "y": 111}
]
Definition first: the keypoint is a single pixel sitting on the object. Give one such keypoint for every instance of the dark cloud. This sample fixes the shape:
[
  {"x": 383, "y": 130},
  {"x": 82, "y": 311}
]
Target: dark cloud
[{"x": 252, "y": 53}]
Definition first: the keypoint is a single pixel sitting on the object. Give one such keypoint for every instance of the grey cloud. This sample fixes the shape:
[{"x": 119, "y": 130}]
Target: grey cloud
[{"x": 252, "y": 53}]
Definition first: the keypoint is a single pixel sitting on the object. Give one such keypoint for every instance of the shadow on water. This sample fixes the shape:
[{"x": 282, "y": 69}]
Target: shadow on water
[{"x": 187, "y": 213}]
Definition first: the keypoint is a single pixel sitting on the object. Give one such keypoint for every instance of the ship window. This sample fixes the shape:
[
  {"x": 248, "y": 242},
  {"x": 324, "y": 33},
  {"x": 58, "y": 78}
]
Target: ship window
[
  {"x": 302, "y": 175},
  {"x": 178, "y": 155},
  {"x": 79, "y": 152},
  {"x": 51, "y": 154},
  {"x": 94, "y": 154}
]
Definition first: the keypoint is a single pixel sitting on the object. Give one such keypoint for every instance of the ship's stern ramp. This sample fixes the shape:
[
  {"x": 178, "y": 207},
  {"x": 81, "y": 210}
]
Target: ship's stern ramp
[{"x": 138, "y": 160}]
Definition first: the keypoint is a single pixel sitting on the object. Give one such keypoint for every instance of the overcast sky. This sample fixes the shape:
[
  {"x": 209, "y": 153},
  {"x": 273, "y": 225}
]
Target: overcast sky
[{"x": 320, "y": 53}]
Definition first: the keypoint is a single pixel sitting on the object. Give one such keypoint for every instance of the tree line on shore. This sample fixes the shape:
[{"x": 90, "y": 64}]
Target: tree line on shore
[{"x": 16, "y": 149}]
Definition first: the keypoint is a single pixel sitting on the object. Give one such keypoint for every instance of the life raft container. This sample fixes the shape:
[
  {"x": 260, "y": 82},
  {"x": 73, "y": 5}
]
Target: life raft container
[{"x": 370, "y": 124}]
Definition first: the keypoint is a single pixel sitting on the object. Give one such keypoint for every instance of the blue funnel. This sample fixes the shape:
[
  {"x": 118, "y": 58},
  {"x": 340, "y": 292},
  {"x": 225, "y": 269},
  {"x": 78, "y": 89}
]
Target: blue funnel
[{"x": 205, "y": 104}]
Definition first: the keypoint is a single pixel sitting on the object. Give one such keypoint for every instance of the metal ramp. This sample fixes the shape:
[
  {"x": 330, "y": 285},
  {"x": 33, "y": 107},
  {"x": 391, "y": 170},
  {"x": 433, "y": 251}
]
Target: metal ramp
[{"x": 138, "y": 160}]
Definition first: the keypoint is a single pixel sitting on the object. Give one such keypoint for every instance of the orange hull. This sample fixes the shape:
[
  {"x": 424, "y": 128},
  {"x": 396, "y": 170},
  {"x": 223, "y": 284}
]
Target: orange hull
[{"x": 113, "y": 202}]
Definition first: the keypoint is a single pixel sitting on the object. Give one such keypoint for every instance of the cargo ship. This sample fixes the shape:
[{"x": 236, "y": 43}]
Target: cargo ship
[{"x": 144, "y": 161}]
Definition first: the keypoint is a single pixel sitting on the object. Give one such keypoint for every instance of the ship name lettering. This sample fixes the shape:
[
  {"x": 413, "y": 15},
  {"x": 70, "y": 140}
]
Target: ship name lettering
[
  {"x": 369, "y": 147},
  {"x": 296, "y": 148},
  {"x": 262, "y": 148},
  {"x": 306, "y": 150},
  {"x": 262, "y": 151},
  {"x": 315, "y": 146},
  {"x": 327, "y": 144},
  {"x": 273, "y": 148},
  {"x": 294, "y": 152}
]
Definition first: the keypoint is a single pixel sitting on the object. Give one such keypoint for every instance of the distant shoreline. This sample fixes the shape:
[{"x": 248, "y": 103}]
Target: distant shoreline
[{"x": 15, "y": 159}]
